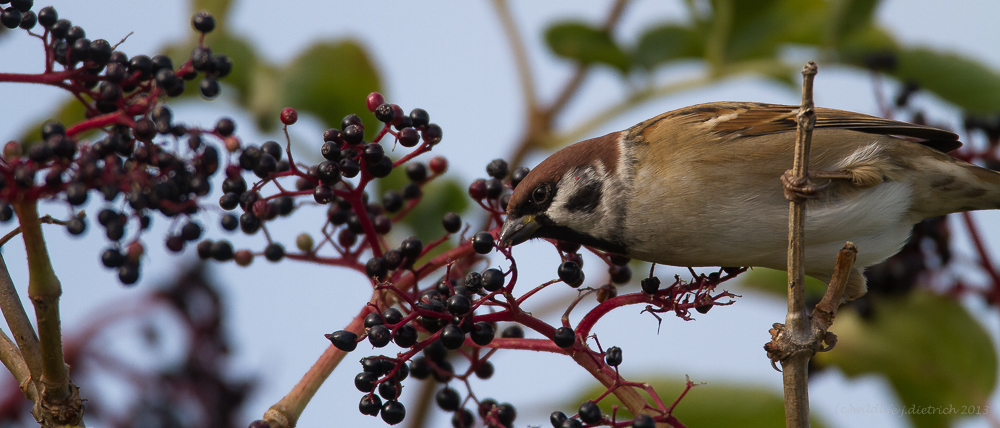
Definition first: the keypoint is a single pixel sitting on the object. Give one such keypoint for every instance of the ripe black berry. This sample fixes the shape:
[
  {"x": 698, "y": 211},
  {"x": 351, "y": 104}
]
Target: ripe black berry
[
  {"x": 492, "y": 279},
  {"x": 209, "y": 87},
  {"x": 485, "y": 370},
  {"x": 557, "y": 419},
  {"x": 448, "y": 399},
  {"x": 272, "y": 148},
  {"x": 389, "y": 389},
  {"x": 175, "y": 244},
  {"x": 354, "y": 134},
  {"x": 267, "y": 166},
  {"x": 452, "y": 337},
  {"x": 28, "y": 20},
  {"x": 328, "y": 172},
  {"x": 392, "y": 201},
  {"x": 379, "y": 336},
  {"x": 431, "y": 134},
  {"x": 380, "y": 169},
  {"x": 112, "y": 258},
  {"x": 373, "y": 153},
  {"x": 459, "y": 304},
  {"x": 590, "y": 413},
  {"x": 365, "y": 381},
  {"x": 274, "y": 252},
  {"x": 463, "y": 418},
  {"x": 564, "y": 337},
  {"x": 494, "y": 188},
  {"x": 229, "y": 201},
  {"x": 249, "y": 223},
  {"x": 349, "y": 167},
  {"x": 375, "y": 268},
  {"x": 570, "y": 273},
  {"x": 222, "y": 251},
  {"x": 497, "y": 168},
  {"x": 344, "y": 340},
  {"x": 47, "y": 16},
  {"x": 482, "y": 333},
  {"x": 506, "y": 413},
  {"x": 411, "y": 248},
  {"x": 384, "y": 113},
  {"x": 128, "y": 273},
  {"x": 6, "y": 212},
  {"x": 620, "y": 274},
  {"x": 419, "y": 117},
  {"x": 60, "y": 28},
  {"x": 452, "y": 222},
  {"x": 513, "y": 332},
  {"x": 76, "y": 193},
  {"x": 416, "y": 172},
  {"x": 613, "y": 356},
  {"x": 330, "y": 151},
  {"x": 643, "y": 421},
  {"x": 10, "y": 17},
  {"x": 473, "y": 281},
  {"x": 225, "y": 127},
  {"x": 370, "y": 405},
  {"x": 517, "y": 176},
  {"x": 76, "y": 226},
  {"x": 482, "y": 242},
  {"x": 230, "y": 222},
  {"x": 191, "y": 231},
  {"x": 703, "y": 309},
  {"x": 203, "y": 22},
  {"x": 408, "y": 137},
  {"x": 405, "y": 336},
  {"x": 412, "y": 191},
  {"x": 650, "y": 285},
  {"x": 393, "y": 412}
]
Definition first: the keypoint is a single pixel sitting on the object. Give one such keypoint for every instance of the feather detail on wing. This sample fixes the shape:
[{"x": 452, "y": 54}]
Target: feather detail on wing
[{"x": 748, "y": 119}]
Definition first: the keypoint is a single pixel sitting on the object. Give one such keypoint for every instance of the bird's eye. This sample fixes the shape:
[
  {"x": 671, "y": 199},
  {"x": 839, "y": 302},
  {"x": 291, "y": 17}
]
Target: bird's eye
[{"x": 540, "y": 194}]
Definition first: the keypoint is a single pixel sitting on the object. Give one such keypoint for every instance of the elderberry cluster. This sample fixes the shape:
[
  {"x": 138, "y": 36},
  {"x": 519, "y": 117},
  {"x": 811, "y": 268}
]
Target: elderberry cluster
[{"x": 130, "y": 162}]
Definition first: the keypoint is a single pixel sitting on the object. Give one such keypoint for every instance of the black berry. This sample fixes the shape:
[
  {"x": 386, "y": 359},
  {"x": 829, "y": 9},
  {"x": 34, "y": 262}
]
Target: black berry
[
  {"x": 492, "y": 280},
  {"x": 483, "y": 333},
  {"x": 570, "y": 273},
  {"x": 452, "y": 337},
  {"x": 393, "y": 412},
  {"x": 344, "y": 340},
  {"x": 370, "y": 405},
  {"x": 452, "y": 222},
  {"x": 448, "y": 399},
  {"x": 274, "y": 252},
  {"x": 564, "y": 337},
  {"x": 590, "y": 413},
  {"x": 613, "y": 356},
  {"x": 650, "y": 285},
  {"x": 497, "y": 168},
  {"x": 203, "y": 22},
  {"x": 482, "y": 243}
]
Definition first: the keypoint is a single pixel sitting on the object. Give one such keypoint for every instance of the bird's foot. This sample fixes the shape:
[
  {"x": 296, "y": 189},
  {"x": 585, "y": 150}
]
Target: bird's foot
[{"x": 801, "y": 189}]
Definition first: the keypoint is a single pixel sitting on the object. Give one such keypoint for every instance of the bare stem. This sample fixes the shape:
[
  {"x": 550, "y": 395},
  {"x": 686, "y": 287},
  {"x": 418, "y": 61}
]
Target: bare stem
[
  {"x": 794, "y": 367},
  {"x": 60, "y": 402},
  {"x": 20, "y": 326},
  {"x": 520, "y": 54}
]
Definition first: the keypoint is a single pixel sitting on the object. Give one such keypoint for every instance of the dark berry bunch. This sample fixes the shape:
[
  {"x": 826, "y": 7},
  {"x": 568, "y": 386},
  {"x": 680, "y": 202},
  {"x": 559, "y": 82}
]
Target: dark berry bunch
[
  {"x": 125, "y": 151},
  {"x": 357, "y": 224}
]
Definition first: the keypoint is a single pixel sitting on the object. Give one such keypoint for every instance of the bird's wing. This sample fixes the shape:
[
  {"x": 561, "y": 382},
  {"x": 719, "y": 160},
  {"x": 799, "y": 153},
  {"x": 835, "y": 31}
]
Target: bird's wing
[{"x": 749, "y": 119}]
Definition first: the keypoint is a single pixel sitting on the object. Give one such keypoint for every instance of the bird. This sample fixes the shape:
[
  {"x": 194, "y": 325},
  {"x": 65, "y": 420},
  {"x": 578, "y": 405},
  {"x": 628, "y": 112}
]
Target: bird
[{"x": 702, "y": 186}]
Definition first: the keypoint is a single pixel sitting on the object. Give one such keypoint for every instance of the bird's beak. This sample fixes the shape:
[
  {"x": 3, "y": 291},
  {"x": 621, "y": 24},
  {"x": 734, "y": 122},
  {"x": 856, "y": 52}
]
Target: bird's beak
[{"x": 518, "y": 230}]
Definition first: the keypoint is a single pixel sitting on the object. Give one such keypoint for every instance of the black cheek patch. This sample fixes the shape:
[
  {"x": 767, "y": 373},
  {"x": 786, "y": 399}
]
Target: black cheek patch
[{"x": 586, "y": 199}]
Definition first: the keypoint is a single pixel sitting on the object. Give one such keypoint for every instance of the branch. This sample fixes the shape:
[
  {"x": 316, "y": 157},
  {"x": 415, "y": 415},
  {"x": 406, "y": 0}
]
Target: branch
[
  {"x": 60, "y": 402},
  {"x": 20, "y": 327},
  {"x": 520, "y": 54},
  {"x": 12, "y": 359},
  {"x": 795, "y": 366}
]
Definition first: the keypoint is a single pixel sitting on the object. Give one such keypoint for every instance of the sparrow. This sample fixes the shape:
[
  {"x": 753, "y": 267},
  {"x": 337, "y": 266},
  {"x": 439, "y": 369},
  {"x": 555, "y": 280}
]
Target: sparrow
[{"x": 701, "y": 186}]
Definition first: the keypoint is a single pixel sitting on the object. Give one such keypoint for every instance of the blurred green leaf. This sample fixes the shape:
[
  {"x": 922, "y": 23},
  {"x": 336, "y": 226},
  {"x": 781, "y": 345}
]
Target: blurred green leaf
[
  {"x": 712, "y": 404},
  {"x": 329, "y": 80},
  {"x": 70, "y": 112},
  {"x": 668, "y": 42},
  {"x": 964, "y": 82},
  {"x": 588, "y": 45},
  {"x": 776, "y": 282},
  {"x": 760, "y": 28},
  {"x": 848, "y": 16},
  {"x": 929, "y": 347}
]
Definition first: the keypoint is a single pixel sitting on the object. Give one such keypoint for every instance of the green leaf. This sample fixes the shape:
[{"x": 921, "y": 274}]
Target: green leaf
[
  {"x": 759, "y": 28},
  {"x": 929, "y": 347},
  {"x": 666, "y": 43},
  {"x": 329, "y": 80},
  {"x": 964, "y": 82},
  {"x": 712, "y": 404},
  {"x": 776, "y": 282},
  {"x": 585, "y": 44},
  {"x": 848, "y": 16}
]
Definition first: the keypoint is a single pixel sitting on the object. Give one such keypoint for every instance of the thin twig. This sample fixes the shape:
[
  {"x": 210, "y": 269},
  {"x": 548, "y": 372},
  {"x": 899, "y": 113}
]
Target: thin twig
[
  {"x": 520, "y": 54},
  {"x": 47, "y": 219},
  {"x": 795, "y": 366},
  {"x": 19, "y": 324},
  {"x": 11, "y": 358}
]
